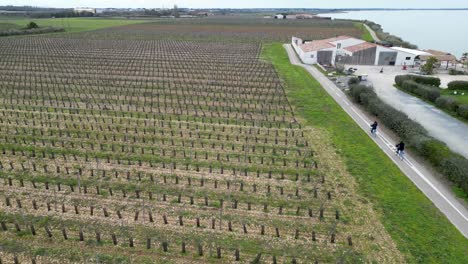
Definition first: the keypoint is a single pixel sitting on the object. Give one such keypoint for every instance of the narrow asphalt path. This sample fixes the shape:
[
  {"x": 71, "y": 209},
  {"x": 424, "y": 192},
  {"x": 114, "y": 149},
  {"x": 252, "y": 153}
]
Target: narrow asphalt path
[
  {"x": 437, "y": 192},
  {"x": 372, "y": 32}
]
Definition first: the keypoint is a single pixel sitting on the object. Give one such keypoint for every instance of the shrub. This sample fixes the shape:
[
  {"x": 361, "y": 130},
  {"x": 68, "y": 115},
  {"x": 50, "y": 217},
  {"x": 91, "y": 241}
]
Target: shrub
[
  {"x": 353, "y": 81},
  {"x": 448, "y": 103},
  {"x": 458, "y": 85},
  {"x": 463, "y": 111},
  {"x": 434, "y": 81},
  {"x": 455, "y": 168},
  {"x": 32, "y": 25},
  {"x": 399, "y": 79},
  {"x": 427, "y": 92},
  {"x": 456, "y": 72}
]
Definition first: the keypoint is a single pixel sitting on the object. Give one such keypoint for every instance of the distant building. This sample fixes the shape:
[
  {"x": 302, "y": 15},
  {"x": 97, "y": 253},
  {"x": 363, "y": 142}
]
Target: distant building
[
  {"x": 84, "y": 9},
  {"x": 443, "y": 58},
  {"x": 280, "y": 16},
  {"x": 408, "y": 57},
  {"x": 343, "y": 49},
  {"x": 300, "y": 16}
]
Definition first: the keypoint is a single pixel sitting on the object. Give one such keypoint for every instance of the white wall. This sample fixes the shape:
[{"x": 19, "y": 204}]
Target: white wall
[
  {"x": 306, "y": 57},
  {"x": 401, "y": 59},
  {"x": 380, "y": 49}
]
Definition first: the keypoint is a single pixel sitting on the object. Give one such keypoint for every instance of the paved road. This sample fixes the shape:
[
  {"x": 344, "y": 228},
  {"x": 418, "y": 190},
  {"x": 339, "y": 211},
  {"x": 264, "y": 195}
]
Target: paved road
[
  {"x": 372, "y": 32},
  {"x": 439, "y": 124},
  {"x": 437, "y": 192}
]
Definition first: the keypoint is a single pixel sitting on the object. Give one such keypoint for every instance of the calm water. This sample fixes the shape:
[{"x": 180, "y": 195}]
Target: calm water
[{"x": 440, "y": 30}]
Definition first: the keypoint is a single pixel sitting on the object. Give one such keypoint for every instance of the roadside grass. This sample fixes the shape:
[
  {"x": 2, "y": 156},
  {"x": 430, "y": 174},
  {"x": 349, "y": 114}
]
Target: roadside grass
[
  {"x": 463, "y": 99},
  {"x": 422, "y": 233},
  {"x": 366, "y": 35},
  {"x": 72, "y": 24}
]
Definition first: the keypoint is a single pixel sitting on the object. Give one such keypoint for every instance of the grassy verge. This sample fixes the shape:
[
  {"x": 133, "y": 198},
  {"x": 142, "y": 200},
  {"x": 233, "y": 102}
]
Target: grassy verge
[
  {"x": 72, "y": 24},
  {"x": 421, "y": 232},
  {"x": 460, "y": 99},
  {"x": 366, "y": 35}
]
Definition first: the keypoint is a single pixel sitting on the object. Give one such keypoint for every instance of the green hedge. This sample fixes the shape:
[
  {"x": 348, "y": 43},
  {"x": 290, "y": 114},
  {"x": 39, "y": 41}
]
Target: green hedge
[
  {"x": 462, "y": 111},
  {"x": 433, "y": 81},
  {"x": 453, "y": 166},
  {"x": 430, "y": 93},
  {"x": 458, "y": 85},
  {"x": 447, "y": 102}
]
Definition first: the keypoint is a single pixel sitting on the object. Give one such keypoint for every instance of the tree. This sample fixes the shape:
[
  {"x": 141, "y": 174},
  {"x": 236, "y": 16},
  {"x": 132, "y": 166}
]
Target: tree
[
  {"x": 32, "y": 25},
  {"x": 464, "y": 60},
  {"x": 428, "y": 67}
]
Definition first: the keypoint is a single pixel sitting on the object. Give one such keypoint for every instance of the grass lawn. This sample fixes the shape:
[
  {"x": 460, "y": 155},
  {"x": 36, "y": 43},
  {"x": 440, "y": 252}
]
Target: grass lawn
[
  {"x": 366, "y": 35},
  {"x": 421, "y": 231},
  {"x": 74, "y": 24},
  {"x": 463, "y": 99}
]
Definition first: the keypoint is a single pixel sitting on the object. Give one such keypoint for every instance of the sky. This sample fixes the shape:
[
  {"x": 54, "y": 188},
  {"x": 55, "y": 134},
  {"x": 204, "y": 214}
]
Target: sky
[{"x": 244, "y": 3}]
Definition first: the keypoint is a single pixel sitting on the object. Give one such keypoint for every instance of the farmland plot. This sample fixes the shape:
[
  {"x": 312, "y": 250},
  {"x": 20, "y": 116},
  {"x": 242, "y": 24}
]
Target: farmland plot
[{"x": 135, "y": 151}]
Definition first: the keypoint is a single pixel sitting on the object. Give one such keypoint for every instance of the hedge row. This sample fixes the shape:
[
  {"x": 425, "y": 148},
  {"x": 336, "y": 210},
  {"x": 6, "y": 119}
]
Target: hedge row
[
  {"x": 425, "y": 88},
  {"x": 16, "y": 32},
  {"x": 453, "y": 166},
  {"x": 430, "y": 93},
  {"x": 433, "y": 81},
  {"x": 458, "y": 85}
]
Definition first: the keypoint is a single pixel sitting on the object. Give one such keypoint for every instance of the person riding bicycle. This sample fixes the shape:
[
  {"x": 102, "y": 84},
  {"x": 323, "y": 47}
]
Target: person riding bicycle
[
  {"x": 374, "y": 127},
  {"x": 400, "y": 149}
]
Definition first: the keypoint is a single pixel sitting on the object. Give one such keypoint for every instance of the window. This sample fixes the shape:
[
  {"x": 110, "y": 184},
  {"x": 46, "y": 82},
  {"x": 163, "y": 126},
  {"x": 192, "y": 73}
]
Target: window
[
  {"x": 338, "y": 46},
  {"x": 408, "y": 58},
  {"x": 312, "y": 56}
]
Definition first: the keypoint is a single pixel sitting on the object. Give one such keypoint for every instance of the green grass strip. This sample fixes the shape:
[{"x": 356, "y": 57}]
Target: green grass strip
[
  {"x": 366, "y": 35},
  {"x": 422, "y": 233}
]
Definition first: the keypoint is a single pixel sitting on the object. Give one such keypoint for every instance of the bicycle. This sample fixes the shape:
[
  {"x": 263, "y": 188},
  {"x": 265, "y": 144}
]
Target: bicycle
[{"x": 401, "y": 154}]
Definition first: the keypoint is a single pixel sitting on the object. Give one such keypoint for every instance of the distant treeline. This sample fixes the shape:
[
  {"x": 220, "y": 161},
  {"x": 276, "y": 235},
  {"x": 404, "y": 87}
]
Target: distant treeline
[
  {"x": 31, "y": 9},
  {"x": 67, "y": 13}
]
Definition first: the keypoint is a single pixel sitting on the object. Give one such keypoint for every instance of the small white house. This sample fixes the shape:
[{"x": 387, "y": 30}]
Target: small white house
[
  {"x": 408, "y": 57},
  {"x": 280, "y": 16},
  {"x": 85, "y": 9}
]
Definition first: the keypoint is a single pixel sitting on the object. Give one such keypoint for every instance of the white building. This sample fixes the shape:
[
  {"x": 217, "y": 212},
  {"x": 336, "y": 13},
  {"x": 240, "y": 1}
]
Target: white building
[
  {"x": 85, "y": 9},
  {"x": 343, "y": 49},
  {"x": 280, "y": 16},
  {"x": 409, "y": 57}
]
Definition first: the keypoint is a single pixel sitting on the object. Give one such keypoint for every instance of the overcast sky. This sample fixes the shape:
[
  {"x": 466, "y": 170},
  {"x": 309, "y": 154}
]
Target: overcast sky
[{"x": 246, "y": 3}]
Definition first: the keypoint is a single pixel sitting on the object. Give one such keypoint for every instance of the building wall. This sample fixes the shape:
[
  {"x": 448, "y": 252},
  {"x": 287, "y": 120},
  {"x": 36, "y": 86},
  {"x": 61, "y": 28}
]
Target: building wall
[
  {"x": 401, "y": 59},
  {"x": 362, "y": 57},
  {"x": 306, "y": 57}
]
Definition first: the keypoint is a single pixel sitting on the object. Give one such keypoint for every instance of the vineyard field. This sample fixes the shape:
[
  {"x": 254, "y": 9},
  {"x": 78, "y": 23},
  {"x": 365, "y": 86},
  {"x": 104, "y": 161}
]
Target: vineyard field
[{"x": 148, "y": 143}]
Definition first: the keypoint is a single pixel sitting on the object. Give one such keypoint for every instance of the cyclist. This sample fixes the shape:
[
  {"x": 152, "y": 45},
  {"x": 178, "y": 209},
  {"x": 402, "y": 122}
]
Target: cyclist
[
  {"x": 400, "y": 149},
  {"x": 374, "y": 128}
]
